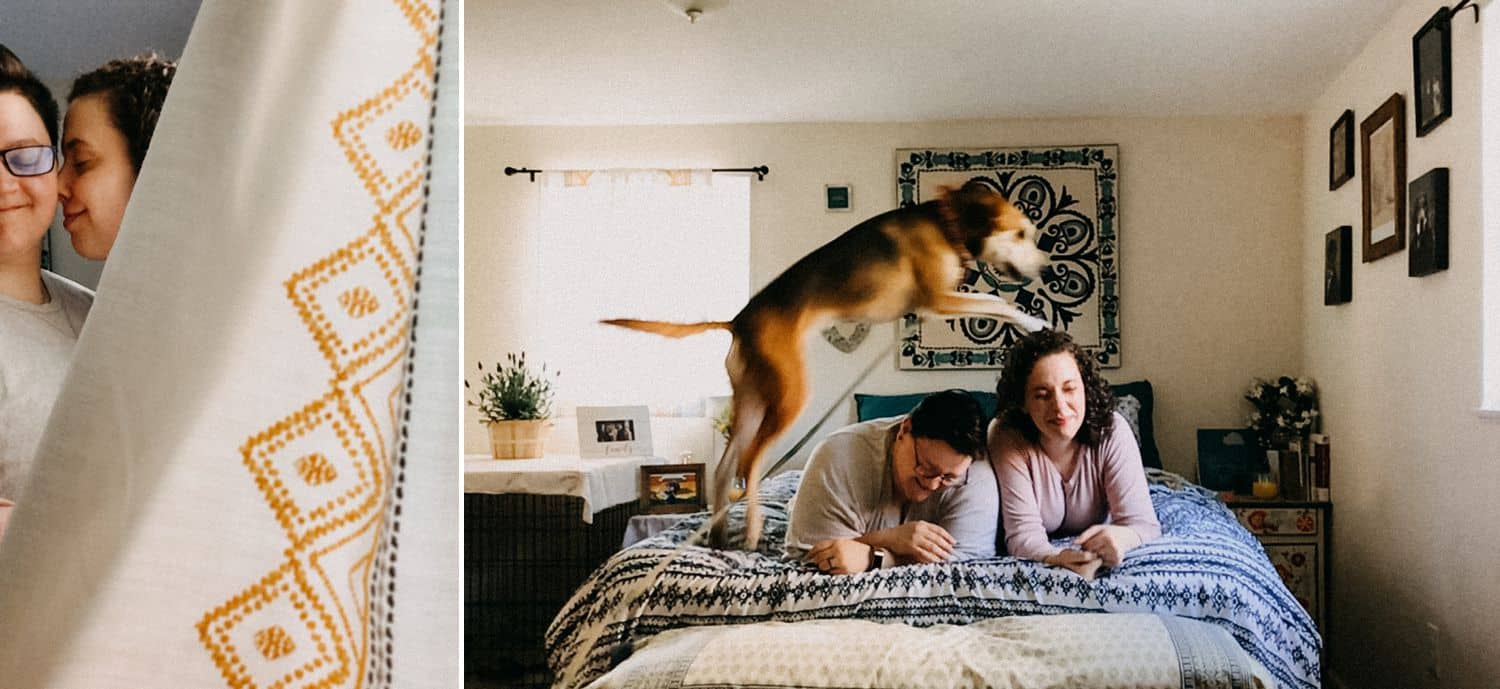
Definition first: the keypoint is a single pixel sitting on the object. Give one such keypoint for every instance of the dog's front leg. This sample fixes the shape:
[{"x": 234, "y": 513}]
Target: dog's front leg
[{"x": 952, "y": 304}]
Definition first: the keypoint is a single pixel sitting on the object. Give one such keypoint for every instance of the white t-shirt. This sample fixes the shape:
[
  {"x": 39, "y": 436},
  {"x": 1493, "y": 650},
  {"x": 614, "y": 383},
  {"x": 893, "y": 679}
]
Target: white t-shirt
[{"x": 36, "y": 344}]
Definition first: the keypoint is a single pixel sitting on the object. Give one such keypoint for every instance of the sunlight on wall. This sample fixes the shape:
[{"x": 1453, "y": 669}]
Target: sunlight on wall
[{"x": 1490, "y": 214}]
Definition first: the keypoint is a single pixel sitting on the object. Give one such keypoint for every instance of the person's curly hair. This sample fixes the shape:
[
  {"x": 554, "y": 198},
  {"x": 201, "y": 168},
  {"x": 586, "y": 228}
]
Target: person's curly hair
[
  {"x": 1010, "y": 388},
  {"x": 134, "y": 89},
  {"x": 16, "y": 78}
]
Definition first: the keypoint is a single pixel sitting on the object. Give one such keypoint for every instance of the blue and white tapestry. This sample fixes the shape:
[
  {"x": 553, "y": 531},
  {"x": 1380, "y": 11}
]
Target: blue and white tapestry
[
  {"x": 1072, "y": 195},
  {"x": 1204, "y": 567}
]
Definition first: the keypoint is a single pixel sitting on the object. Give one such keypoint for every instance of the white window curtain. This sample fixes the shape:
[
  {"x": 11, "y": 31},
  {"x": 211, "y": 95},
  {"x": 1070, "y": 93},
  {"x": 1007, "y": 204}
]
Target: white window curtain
[{"x": 669, "y": 245}]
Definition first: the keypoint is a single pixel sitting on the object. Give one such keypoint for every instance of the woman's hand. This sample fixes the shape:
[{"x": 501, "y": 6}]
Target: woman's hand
[
  {"x": 916, "y": 541},
  {"x": 841, "y": 556},
  {"x": 1080, "y": 561},
  {"x": 1108, "y": 541}
]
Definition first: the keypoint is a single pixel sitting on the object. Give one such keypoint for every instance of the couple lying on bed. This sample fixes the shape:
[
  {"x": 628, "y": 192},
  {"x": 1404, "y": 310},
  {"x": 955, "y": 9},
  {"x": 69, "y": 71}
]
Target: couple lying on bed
[{"x": 1061, "y": 462}]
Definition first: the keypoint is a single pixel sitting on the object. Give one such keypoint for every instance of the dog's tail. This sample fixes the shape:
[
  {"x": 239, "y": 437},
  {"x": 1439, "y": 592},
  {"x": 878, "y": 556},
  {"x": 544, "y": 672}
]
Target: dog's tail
[{"x": 669, "y": 329}]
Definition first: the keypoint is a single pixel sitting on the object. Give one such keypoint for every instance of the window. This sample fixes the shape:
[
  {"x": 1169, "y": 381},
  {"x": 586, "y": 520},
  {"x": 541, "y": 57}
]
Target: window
[{"x": 669, "y": 245}]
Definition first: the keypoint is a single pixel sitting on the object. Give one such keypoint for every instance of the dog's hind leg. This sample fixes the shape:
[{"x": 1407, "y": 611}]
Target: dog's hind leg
[{"x": 778, "y": 378}]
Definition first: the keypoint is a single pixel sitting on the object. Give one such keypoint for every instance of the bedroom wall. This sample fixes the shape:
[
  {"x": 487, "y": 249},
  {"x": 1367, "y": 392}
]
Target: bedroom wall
[
  {"x": 1210, "y": 224},
  {"x": 1415, "y": 463}
]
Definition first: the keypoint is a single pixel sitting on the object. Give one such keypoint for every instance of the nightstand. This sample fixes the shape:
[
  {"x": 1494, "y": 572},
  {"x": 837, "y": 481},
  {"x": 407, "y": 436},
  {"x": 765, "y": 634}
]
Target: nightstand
[
  {"x": 1295, "y": 536},
  {"x": 534, "y": 530}
]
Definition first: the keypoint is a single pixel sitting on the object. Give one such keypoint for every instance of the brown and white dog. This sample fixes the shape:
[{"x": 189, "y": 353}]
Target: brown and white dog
[{"x": 906, "y": 260}]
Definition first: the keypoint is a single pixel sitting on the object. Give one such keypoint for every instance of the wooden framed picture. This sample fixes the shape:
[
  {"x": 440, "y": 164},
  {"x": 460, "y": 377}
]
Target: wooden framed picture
[
  {"x": 668, "y": 488},
  {"x": 1428, "y": 252},
  {"x": 614, "y": 431},
  {"x": 1341, "y": 151},
  {"x": 1382, "y": 145},
  {"x": 1432, "y": 71},
  {"x": 1338, "y": 263}
]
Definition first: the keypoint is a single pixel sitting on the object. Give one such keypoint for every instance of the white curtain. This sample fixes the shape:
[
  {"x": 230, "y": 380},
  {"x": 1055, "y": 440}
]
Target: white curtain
[
  {"x": 669, "y": 245},
  {"x": 253, "y": 427}
]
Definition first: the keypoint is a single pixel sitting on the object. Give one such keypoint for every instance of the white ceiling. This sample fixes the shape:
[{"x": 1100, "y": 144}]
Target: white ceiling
[
  {"x": 612, "y": 62},
  {"x": 60, "y": 39}
]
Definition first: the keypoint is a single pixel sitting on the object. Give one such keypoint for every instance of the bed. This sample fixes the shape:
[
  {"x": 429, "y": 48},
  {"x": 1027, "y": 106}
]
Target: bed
[{"x": 1205, "y": 568}]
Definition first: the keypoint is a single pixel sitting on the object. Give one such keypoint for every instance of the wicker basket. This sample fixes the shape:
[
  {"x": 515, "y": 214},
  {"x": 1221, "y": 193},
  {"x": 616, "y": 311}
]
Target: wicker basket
[{"x": 518, "y": 439}]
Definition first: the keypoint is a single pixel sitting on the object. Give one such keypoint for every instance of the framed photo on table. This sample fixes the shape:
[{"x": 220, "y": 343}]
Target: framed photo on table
[
  {"x": 614, "y": 431},
  {"x": 1382, "y": 144},
  {"x": 1432, "y": 71},
  {"x": 669, "y": 488}
]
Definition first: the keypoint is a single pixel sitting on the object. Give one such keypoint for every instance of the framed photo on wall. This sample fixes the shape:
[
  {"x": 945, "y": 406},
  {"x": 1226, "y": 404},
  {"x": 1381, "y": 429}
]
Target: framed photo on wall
[
  {"x": 1338, "y": 263},
  {"x": 669, "y": 488},
  {"x": 614, "y": 431},
  {"x": 1428, "y": 252},
  {"x": 1432, "y": 71},
  {"x": 1382, "y": 145},
  {"x": 1341, "y": 151}
]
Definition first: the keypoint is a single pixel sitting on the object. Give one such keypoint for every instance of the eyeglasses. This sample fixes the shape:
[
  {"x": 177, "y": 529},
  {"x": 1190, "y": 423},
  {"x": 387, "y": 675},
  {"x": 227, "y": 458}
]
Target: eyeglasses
[
  {"x": 926, "y": 473},
  {"x": 29, "y": 161}
]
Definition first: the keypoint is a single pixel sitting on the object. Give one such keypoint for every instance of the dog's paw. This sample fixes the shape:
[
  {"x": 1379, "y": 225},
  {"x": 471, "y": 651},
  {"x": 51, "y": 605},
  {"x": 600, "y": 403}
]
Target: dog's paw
[{"x": 1032, "y": 323}]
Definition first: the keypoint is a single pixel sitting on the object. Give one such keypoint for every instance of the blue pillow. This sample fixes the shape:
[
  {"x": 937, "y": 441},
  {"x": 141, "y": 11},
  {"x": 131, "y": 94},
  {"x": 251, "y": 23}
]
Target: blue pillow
[{"x": 1135, "y": 405}]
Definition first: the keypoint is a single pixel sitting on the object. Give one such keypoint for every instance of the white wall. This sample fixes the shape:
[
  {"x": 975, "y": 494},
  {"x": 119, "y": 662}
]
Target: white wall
[
  {"x": 1415, "y": 466},
  {"x": 1209, "y": 223}
]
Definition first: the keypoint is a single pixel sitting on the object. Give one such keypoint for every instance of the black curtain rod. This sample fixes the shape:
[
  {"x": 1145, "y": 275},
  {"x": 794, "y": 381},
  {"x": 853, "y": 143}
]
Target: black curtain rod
[
  {"x": 1468, "y": 4},
  {"x": 760, "y": 171}
]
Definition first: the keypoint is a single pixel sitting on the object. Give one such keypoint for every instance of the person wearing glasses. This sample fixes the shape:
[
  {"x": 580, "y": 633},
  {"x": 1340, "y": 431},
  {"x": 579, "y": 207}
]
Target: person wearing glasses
[
  {"x": 41, "y": 313},
  {"x": 112, "y": 113},
  {"x": 900, "y": 490},
  {"x": 1067, "y": 462}
]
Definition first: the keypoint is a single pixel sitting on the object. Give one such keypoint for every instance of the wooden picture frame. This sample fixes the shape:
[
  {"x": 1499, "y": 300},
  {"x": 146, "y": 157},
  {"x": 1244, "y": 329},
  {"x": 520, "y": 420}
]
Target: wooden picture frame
[
  {"x": 1338, "y": 264},
  {"x": 614, "y": 431},
  {"x": 673, "y": 488},
  {"x": 1341, "y": 151},
  {"x": 1432, "y": 72},
  {"x": 1428, "y": 252},
  {"x": 1382, "y": 145}
]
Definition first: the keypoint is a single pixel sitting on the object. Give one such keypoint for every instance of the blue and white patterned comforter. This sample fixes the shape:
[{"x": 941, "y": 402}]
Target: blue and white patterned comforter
[{"x": 1205, "y": 567}]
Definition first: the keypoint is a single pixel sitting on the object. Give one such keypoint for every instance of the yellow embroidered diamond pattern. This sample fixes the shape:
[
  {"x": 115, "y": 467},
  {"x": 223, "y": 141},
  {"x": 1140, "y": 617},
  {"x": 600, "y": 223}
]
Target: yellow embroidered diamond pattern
[
  {"x": 350, "y": 483},
  {"x": 254, "y": 645},
  {"x": 355, "y": 301}
]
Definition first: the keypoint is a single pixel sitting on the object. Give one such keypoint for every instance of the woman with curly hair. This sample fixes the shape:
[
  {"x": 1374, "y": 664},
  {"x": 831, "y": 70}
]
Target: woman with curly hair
[
  {"x": 112, "y": 113},
  {"x": 1067, "y": 463}
]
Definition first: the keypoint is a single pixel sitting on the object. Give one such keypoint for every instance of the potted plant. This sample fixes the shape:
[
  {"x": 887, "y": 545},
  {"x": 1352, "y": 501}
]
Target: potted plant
[{"x": 515, "y": 402}]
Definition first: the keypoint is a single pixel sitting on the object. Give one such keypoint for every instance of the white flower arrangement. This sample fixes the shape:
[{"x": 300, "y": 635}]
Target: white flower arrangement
[{"x": 1284, "y": 407}]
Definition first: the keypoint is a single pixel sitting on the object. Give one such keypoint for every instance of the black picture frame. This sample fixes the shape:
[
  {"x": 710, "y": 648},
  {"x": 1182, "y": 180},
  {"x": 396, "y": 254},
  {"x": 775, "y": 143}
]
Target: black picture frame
[
  {"x": 1382, "y": 149},
  {"x": 1432, "y": 72},
  {"x": 1427, "y": 251},
  {"x": 1341, "y": 151},
  {"x": 1338, "y": 266},
  {"x": 659, "y": 496}
]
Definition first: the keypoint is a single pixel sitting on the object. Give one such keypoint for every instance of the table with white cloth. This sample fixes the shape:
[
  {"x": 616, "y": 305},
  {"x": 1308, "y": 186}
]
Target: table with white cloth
[{"x": 534, "y": 529}]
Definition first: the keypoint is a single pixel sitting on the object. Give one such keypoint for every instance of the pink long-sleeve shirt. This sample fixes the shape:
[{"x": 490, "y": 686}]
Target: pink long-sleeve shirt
[{"x": 1037, "y": 502}]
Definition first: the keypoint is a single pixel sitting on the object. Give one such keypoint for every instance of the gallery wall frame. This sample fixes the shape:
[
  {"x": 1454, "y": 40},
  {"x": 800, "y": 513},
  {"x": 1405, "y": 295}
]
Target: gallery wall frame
[
  {"x": 1428, "y": 250},
  {"x": 1341, "y": 151},
  {"x": 1382, "y": 148},
  {"x": 1432, "y": 72}
]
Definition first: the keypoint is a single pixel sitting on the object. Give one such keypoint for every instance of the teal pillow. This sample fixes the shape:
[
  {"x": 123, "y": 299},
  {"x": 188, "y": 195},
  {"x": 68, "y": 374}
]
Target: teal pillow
[
  {"x": 1135, "y": 405},
  {"x": 868, "y": 407}
]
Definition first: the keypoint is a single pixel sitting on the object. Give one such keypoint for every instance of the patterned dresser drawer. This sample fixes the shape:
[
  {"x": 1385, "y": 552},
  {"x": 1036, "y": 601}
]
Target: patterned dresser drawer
[
  {"x": 1295, "y": 538},
  {"x": 1280, "y": 521}
]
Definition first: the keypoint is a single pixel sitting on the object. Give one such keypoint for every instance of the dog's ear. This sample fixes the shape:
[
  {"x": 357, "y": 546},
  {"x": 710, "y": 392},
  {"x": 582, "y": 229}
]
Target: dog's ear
[{"x": 975, "y": 206}]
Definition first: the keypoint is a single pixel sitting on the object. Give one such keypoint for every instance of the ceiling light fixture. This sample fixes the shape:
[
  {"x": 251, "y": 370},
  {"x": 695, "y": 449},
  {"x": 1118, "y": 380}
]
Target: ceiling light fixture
[{"x": 693, "y": 13}]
